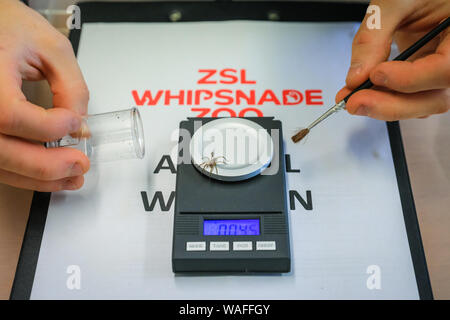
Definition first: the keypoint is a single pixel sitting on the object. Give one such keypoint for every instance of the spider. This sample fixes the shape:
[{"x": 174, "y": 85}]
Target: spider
[{"x": 212, "y": 163}]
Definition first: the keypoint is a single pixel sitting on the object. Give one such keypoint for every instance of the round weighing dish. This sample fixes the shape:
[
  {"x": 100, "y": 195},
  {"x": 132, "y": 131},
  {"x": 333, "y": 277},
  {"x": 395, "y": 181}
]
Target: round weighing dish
[{"x": 241, "y": 148}]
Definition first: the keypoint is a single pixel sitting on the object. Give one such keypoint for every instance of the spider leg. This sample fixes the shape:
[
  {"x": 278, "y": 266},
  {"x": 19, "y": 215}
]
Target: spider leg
[{"x": 223, "y": 159}]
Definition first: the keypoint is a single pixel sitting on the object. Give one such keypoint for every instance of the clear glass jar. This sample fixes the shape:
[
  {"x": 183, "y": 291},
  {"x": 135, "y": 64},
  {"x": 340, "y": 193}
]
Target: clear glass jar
[{"x": 108, "y": 136}]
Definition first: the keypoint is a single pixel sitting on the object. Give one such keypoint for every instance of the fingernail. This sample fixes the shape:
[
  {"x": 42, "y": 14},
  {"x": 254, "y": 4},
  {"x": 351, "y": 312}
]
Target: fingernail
[
  {"x": 75, "y": 125},
  {"x": 355, "y": 68},
  {"x": 379, "y": 78},
  {"x": 76, "y": 170},
  {"x": 362, "y": 111},
  {"x": 69, "y": 185}
]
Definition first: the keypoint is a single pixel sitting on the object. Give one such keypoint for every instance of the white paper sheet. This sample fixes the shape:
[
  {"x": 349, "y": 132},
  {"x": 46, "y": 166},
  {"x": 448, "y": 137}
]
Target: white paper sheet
[{"x": 122, "y": 251}]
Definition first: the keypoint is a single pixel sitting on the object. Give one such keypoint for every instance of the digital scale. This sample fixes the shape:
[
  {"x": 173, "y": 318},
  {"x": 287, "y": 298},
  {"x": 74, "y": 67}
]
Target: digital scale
[{"x": 224, "y": 225}]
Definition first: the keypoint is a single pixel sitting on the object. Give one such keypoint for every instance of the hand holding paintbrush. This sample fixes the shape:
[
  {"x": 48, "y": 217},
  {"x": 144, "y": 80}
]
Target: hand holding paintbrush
[{"x": 434, "y": 101}]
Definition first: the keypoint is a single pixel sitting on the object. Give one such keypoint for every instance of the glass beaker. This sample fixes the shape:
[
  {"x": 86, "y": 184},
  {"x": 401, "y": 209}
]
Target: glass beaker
[{"x": 108, "y": 136}]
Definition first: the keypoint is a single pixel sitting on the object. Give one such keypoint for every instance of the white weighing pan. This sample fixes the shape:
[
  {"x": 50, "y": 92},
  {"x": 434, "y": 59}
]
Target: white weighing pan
[{"x": 240, "y": 147}]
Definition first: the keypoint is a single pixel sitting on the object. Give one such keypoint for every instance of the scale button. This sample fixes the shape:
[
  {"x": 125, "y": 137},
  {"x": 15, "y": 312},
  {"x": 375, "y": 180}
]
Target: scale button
[
  {"x": 219, "y": 246},
  {"x": 242, "y": 246},
  {"x": 196, "y": 246},
  {"x": 266, "y": 245}
]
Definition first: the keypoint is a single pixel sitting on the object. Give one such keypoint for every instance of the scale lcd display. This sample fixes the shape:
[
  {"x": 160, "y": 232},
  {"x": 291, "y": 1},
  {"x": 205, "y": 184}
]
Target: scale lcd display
[{"x": 241, "y": 227}]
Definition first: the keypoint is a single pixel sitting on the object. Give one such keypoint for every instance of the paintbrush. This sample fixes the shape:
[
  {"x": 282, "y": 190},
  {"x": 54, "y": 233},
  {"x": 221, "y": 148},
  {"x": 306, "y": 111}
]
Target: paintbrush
[{"x": 368, "y": 84}]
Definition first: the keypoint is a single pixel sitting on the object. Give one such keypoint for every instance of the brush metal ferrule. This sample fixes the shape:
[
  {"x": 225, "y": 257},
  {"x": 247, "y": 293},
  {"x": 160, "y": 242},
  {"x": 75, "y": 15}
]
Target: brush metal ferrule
[
  {"x": 337, "y": 107},
  {"x": 53, "y": 144}
]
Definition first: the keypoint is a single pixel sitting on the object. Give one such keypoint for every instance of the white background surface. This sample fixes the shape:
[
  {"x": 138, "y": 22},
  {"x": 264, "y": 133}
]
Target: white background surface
[{"x": 124, "y": 252}]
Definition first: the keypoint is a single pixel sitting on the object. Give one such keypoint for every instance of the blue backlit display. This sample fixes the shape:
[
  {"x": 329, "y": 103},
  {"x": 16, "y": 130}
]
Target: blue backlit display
[{"x": 241, "y": 227}]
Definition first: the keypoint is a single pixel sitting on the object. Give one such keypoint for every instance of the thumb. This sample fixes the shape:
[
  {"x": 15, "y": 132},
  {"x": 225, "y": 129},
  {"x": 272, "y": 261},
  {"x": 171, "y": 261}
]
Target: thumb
[{"x": 372, "y": 43}]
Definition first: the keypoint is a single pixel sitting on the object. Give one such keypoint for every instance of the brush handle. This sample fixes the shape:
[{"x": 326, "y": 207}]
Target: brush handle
[
  {"x": 408, "y": 52},
  {"x": 366, "y": 85}
]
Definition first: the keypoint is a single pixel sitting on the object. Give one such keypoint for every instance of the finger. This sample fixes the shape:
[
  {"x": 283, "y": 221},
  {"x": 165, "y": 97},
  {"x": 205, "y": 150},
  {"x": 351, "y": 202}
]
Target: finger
[
  {"x": 342, "y": 94},
  {"x": 25, "y": 120},
  {"x": 372, "y": 45},
  {"x": 426, "y": 73},
  {"x": 405, "y": 38},
  {"x": 19, "y": 181},
  {"x": 30, "y": 73},
  {"x": 21, "y": 118},
  {"x": 60, "y": 67},
  {"x": 37, "y": 162},
  {"x": 392, "y": 106},
  {"x": 431, "y": 72}
]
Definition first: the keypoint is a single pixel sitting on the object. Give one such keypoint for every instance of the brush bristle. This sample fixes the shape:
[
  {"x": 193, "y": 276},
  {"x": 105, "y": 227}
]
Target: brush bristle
[{"x": 300, "y": 135}]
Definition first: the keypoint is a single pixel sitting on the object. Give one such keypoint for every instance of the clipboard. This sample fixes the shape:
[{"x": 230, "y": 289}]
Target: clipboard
[{"x": 221, "y": 11}]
